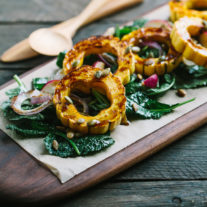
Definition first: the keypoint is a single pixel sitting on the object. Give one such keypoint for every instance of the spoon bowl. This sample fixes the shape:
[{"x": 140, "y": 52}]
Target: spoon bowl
[{"x": 49, "y": 42}]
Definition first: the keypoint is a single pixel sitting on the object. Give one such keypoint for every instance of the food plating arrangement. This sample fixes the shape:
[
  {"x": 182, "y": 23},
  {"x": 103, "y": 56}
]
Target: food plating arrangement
[{"x": 113, "y": 79}]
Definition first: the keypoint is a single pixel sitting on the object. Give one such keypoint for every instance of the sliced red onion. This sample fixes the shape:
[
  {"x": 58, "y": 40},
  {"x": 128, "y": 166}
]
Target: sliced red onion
[
  {"x": 103, "y": 60},
  {"x": 50, "y": 86},
  {"x": 99, "y": 64},
  {"x": 158, "y": 23},
  {"x": 153, "y": 45},
  {"x": 80, "y": 101},
  {"x": 17, "y": 102},
  {"x": 40, "y": 99},
  {"x": 152, "y": 81}
]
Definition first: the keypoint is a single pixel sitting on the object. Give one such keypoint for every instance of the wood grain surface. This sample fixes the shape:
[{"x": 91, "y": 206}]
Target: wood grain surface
[{"x": 175, "y": 176}]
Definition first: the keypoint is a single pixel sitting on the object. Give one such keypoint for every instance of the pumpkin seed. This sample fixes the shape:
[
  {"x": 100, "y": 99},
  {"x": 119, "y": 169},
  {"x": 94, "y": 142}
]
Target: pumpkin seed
[
  {"x": 70, "y": 134},
  {"x": 135, "y": 49},
  {"x": 93, "y": 122},
  {"x": 139, "y": 76},
  {"x": 81, "y": 121},
  {"x": 106, "y": 72},
  {"x": 68, "y": 99},
  {"x": 98, "y": 74},
  {"x": 75, "y": 63},
  {"x": 55, "y": 144},
  {"x": 181, "y": 92}
]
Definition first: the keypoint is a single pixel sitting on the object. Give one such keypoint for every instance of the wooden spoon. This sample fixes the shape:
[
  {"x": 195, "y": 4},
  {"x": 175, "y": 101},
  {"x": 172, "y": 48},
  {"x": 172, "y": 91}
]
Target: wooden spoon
[
  {"x": 52, "y": 41},
  {"x": 22, "y": 50}
]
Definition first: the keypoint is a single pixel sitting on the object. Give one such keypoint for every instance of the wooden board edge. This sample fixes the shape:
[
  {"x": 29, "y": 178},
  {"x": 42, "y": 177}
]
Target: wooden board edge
[{"x": 132, "y": 154}]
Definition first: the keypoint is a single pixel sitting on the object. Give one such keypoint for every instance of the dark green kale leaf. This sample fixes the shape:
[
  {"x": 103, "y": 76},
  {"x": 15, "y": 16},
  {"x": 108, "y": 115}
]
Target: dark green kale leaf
[
  {"x": 87, "y": 145},
  {"x": 25, "y": 131},
  {"x": 121, "y": 31},
  {"x": 148, "y": 108},
  {"x": 60, "y": 59},
  {"x": 166, "y": 82},
  {"x": 38, "y": 83},
  {"x": 190, "y": 76},
  {"x": 13, "y": 92},
  {"x": 98, "y": 103}
]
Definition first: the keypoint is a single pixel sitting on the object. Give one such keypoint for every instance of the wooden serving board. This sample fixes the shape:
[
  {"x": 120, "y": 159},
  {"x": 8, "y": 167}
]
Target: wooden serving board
[{"x": 24, "y": 180}]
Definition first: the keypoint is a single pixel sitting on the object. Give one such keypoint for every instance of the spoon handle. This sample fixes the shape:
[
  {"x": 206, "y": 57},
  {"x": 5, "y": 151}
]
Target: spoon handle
[
  {"x": 22, "y": 50},
  {"x": 95, "y": 10}
]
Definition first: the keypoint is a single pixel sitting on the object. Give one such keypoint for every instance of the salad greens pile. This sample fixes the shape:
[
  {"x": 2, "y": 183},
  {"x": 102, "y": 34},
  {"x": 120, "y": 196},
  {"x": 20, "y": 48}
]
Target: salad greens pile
[{"x": 142, "y": 103}]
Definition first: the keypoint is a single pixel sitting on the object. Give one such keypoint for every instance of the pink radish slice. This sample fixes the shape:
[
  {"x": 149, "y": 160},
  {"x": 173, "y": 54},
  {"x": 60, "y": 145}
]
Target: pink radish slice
[
  {"x": 50, "y": 86},
  {"x": 152, "y": 81},
  {"x": 99, "y": 64},
  {"x": 158, "y": 23},
  {"x": 17, "y": 102},
  {"x": 203, "y": 39}
]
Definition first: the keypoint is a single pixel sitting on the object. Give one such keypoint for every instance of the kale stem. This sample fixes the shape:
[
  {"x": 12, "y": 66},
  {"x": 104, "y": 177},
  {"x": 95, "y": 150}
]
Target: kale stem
[
  {"x": 172, "y": 107},
  {"x": 100, "y": 97},
  {"x": 20, "y": 83},
  {"x": 70, "y": 141},
  {"x": 74, "y": 146}
]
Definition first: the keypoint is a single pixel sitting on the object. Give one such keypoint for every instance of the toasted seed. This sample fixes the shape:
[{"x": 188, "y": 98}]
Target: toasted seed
[
  {"x": 135, "y": 106},
  {"x": 106, "y": 72},
  {"x": 70, "y": 134},
  {"x": 93, "y": 122},
  {"x": 81, "y": 121},
  {"x": 98, "y": 74},
  {"x": 127, "y": 50},
  {"x": 75, "y": 63},
  {"x": 61, "y": 128},
  {"x": 68, "y": 99},
  {"x": 181, "y": 93},
  {"x": 55, "y": 144},
  {"x": 135, "y": 49},
  {"x": 139, "y": 76}
]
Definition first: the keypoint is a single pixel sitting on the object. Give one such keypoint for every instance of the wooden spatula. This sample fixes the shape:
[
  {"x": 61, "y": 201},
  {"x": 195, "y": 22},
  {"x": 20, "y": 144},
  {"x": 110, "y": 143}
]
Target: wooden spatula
[{"x": 22, "y": 50}]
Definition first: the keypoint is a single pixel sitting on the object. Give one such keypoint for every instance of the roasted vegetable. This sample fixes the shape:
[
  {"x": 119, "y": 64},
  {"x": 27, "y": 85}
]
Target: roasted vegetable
[
  {"x": 98, "y": 45},
  {"x": 84, "y": 79},
  {"x": 182, "y": 33},
  {"x": 150, "y": 37},
  {"x": 189, "y": 8}
]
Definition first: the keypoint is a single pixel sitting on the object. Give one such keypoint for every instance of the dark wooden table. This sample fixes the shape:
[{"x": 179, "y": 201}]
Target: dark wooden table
[{"x": 176, "y": 176}]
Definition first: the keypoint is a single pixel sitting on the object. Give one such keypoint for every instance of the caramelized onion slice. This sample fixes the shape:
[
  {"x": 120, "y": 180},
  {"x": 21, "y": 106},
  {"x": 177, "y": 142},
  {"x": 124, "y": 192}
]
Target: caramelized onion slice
[{"x": 17, "y": 102}]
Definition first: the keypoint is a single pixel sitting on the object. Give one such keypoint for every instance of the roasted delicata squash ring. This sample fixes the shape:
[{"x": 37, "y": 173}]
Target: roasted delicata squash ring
[
  {"x": 149, "y": 66},
  {"x": 189, "y": 8},
  {"x": 97, "y": 45},
  {"x": 181, "y": 36},
  {"x": 84, "y": 79}
]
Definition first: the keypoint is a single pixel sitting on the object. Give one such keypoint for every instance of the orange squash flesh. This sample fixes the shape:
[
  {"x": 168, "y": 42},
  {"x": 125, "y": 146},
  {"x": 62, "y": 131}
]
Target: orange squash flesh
[
  {"x": 97, "y": 45},
  {"x": 151, "y": 66},
  {"x": 84, "y": 79},
  {"x": 189, "y": 8}
]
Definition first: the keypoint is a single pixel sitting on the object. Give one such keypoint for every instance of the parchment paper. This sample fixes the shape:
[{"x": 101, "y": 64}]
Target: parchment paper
[{"x": 66, "y": 168}]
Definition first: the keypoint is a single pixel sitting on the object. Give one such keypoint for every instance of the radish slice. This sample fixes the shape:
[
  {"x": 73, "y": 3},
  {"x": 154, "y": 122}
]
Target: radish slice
[
  {"x": 50, "y": 86},
  {"x": 17, "y": 102},
  {"x": 99, "y": 64},
  {"x": 152, "y": 81},
  {"x": 159, "y": 24}
]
